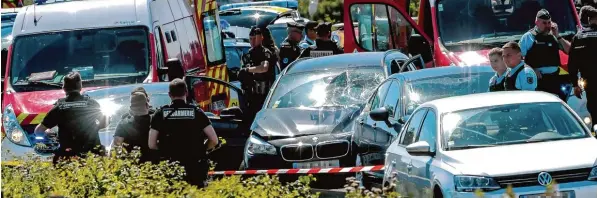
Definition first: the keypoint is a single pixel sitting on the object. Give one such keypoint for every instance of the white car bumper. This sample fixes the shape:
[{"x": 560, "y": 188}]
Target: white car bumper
[{"x": 580, "y": 189}]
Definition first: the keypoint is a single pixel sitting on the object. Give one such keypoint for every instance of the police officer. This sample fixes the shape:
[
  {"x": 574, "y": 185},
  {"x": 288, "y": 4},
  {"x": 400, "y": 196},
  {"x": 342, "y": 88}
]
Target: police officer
[
  {"x": 258, "y": 75},
  {"x": 496, "y": 83},
  {"x": 582, "y": 56},
  {"x": 289, "y": 49},
  {"x": 78, "y": 118},
  {"x": 323, "y": 45},
  {"x": 541, "y": 49},
  {"x": 133, "y": 128},
  {"x": 311, "y": 35},
  {"x": 181, "y": 129},
  {"x": 519, "y": 76}
]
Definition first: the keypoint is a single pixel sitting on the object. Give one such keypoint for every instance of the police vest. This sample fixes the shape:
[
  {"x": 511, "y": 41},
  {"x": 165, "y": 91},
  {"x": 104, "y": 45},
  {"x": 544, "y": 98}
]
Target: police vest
[
  {"x": 289, "y": 52},
  {"x": 498, "y": 86},
  {"x": 510, "y": 81},
  {"x": 181, "y": 138},
  {"x": 545, "y": 52}
]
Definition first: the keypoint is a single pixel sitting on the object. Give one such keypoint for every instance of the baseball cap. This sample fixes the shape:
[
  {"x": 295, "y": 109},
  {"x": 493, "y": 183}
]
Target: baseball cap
[
  {"x": 543, "y": 14},
  {"x": 255, "y": 31}
]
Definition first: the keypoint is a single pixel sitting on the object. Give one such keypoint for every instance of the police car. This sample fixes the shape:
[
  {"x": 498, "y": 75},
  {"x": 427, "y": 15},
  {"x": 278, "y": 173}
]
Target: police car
[{"x": 115, "y": 102}]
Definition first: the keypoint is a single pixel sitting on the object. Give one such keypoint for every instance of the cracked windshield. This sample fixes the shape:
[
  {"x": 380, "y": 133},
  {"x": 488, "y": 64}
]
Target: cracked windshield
[
  {"x": 510, "y": 124},
  {"x": 104, "y": 56},
  {"x": 494, "y": 22},
  {"x": 330, "y": 88}
]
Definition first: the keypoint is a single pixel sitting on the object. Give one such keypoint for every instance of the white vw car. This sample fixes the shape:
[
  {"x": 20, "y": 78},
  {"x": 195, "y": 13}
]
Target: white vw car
[{"x": 454, "y": 146}]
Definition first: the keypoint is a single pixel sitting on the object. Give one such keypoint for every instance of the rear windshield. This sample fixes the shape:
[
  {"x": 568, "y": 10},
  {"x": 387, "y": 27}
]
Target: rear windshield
[{"x": 102, "y": 56}]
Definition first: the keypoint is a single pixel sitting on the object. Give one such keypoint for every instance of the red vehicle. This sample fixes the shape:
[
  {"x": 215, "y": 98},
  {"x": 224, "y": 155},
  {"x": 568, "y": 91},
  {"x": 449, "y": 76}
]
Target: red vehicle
[{"x": 449, "y": 32}]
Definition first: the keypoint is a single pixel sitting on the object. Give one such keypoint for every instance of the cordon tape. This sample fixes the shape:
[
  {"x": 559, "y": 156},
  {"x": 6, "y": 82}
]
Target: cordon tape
[{"x": 301, "y": 171}]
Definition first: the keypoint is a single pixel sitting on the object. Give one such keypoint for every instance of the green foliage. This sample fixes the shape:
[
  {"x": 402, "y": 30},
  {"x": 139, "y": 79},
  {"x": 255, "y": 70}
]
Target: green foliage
[
  {"x": 327, "y": 10},
  {"x": 121, "y": 175}
]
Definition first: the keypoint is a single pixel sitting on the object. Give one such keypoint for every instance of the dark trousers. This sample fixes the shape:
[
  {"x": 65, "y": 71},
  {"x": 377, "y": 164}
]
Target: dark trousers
[
  {"x": 553, "y": 83},
  {"x": 196, "y": 172},
  {"x": 591, "y": 91}
]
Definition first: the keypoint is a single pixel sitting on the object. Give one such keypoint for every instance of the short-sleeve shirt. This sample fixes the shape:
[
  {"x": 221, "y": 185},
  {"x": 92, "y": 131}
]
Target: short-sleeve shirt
[
  {"x": 79, "y": 120},
  {"x": 526, "y": 79}
]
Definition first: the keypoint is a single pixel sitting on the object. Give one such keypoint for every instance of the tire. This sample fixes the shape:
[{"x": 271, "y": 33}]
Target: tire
[{"x": 437, "y": 192}]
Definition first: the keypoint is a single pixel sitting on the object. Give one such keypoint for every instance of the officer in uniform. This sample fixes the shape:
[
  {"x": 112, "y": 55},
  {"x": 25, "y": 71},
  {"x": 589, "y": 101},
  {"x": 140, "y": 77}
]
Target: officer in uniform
[
  {"x": 541, "y": 49},
  {"x": 289, "y": 48},
  {"x": 582, "y": 56},
  {"x": 133, "y": 128},
  {"x": 323, "y": 45},
  {"x": 496, "y": 83},
  {"x": 519, "y": 76},
  {"x": 79, "y": 120},
  {"x": 181, "y": 129},
  {"x": 311, "y": 35}
]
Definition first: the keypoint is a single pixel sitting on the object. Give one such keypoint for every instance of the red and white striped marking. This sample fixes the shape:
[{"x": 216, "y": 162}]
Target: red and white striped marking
[{"x": 301, "y": 171}]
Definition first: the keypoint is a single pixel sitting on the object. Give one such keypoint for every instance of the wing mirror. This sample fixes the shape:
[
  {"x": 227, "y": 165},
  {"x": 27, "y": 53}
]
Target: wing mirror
[
  {"x": 231, "y": 113},
  {"x": 403, "y": 119},
  {"x": 173, "y": 68},
  {"x": 420, "y": 148},
  {"x": 381, "y": 114}
]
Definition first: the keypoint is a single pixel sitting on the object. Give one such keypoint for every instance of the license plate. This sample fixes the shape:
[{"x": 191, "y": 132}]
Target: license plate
[
  {"x": 218, "y": 105},
  {"x": 317, "y": 164},
  {"x": 563, "y": 194}
]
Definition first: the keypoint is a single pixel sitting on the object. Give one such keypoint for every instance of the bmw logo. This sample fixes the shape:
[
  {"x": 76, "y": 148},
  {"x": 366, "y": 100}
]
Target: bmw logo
[{"x": 285, "y": 60}]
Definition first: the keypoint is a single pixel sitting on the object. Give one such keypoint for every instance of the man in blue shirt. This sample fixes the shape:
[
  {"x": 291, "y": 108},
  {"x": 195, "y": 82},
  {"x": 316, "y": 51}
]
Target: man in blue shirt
[
  {"x": 541, "y": 48},
  {"x": 311, "y": 35},
  {"x": 519, "y": 76},
  {"x": 496, "y": 83}
]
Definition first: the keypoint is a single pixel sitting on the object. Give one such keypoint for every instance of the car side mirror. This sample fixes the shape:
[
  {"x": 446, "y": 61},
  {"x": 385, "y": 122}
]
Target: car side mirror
[
  {"x": 403, "y": 119},
  {"x": 231, "y": 113},
  {"x": 595, "y": 128},
  {"x": 420, "y": 148},
  {"x": 173, "y": 68},
  {"x": 381, "y": 114}
]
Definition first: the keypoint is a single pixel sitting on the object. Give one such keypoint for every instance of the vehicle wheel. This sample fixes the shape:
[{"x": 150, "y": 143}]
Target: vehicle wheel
[
  {"x": 360, "y": 176},
  {"x": 437, "y": 193}
]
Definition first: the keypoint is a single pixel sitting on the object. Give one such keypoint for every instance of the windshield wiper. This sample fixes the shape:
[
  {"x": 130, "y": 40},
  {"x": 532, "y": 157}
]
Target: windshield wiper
[
  {"x": 546, "y": 140},
  {"x": 38, "y": 83},
  {"x": 472, "y": 146}
]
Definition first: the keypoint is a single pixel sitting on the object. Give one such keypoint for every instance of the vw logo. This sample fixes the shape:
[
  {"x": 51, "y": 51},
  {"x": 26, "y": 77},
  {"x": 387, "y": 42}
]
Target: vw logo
[
  {"x": 315, "y": 139},
  {"x": 544, "y": 178}
]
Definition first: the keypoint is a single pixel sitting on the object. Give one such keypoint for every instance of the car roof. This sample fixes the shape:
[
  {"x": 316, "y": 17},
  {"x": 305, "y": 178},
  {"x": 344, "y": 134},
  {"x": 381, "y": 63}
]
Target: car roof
[
  {"x": 488, "y": 99},
  {"x": 440, "y": 71},
  {"x": 82, "y": 15},
  {"x": 235, "y": 43},
  {"x": 337, "y": 61}
]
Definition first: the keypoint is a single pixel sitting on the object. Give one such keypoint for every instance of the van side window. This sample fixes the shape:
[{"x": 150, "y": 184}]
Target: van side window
[
  {"x": 158, "y": 46},
  {"x": 168, "y": 37},
  {"x": 173, "y": 35},
  {"x": 213, "y": 38}
]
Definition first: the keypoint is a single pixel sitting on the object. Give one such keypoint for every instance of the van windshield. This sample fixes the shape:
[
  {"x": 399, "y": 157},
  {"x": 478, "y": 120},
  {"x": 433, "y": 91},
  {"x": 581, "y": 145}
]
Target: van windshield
[
  {"x": 103, "y": 57},
  {"x": 464, "y": 22}
]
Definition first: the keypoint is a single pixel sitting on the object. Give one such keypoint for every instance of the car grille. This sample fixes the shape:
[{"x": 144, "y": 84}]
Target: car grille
[
  {"x": 332, "y": 149},
  {"x": 294, "y": 152},
  {"x": 525, "y": 180}
]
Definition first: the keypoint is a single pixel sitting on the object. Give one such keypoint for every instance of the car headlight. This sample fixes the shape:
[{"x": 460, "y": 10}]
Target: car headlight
[
  {"x": 593, "y": 174},
  {"x": 13, "y": 130},
  {"x": 472, "y": 183},
  {"x": 258, "y": 146}
]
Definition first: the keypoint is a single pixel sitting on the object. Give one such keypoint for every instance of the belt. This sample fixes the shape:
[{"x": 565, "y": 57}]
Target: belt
[{"x": 261, "y": 87}]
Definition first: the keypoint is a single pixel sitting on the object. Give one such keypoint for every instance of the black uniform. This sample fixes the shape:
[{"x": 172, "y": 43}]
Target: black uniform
[
  {"x": 181, "y": 138},
  {"x": 581, "y": 59},
  {"x": 289, "y": 49},
  {"x": 257, "y": 85},
  {"x": 79, "y": 119},
  {"x": 496, "y": 84},
  {"x": 135, "y": 131}
]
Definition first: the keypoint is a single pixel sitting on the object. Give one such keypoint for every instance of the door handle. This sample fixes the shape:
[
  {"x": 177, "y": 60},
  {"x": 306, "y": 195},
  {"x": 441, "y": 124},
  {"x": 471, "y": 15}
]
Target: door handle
[
  {"x": 409, "y": 167},
  {"x": 374, "y": 125}
]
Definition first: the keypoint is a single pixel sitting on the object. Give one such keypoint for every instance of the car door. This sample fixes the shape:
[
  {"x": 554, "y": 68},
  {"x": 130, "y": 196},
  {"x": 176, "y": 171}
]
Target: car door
[
  {"x": 365, "y": 134},
  {"x": 420, "y": 175},
  {"x": 383, "y": 25},
  {"x": 230, "y": 125},
  {"x": 386, "y": 131},
  {"x": 399, "y": 160}
]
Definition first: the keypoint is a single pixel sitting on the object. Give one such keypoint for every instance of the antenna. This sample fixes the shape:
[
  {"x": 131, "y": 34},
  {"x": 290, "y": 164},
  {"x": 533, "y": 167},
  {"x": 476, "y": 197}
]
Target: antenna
[{"x": 35, "y": 19}]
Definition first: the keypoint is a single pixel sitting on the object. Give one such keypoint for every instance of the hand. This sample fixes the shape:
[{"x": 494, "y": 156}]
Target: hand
[
  {"x": 578, "y": 92},
  {"x": 554, "y": 29},
  {"x": 538, "y": 73}
]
